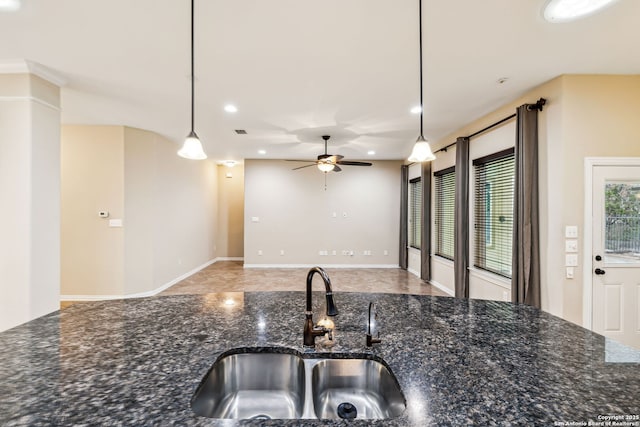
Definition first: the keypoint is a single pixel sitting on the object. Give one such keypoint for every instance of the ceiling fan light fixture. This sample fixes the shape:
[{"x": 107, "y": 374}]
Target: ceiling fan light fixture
[
  {"x": 558, "y": 11},
  {"x": 421, "y": 151},
  {"x": 326, "y": 167},
  {"x": 192, "y": 148}
]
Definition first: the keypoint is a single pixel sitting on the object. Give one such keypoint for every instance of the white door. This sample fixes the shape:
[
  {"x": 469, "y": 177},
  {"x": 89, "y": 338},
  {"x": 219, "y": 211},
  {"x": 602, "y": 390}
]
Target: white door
[{"x": 616, "y": 253}]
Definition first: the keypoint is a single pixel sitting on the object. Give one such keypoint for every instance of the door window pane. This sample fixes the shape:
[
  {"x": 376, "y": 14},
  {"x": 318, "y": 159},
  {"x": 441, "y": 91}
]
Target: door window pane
[{"x": 622, "y": 222}]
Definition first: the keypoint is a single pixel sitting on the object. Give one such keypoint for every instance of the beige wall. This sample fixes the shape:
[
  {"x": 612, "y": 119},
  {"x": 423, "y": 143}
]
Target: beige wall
[
  {"x": 585, "y": 116},
  {"x": 295, "y": 214},
  {"x": 230, "y": 240},
  {"x": 30, "y": 198},
  {"x": 92, "y": 180},
  {"x": 167, "y": 205}
]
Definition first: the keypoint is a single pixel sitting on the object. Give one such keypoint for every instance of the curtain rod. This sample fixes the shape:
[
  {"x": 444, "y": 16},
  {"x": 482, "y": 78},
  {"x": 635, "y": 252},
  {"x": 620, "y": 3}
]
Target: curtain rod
[{"x": 537, "y": 106}]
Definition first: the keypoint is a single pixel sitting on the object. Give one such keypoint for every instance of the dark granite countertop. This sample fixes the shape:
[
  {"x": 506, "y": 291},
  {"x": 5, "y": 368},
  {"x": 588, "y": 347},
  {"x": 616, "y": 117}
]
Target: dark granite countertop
[{"x": 137, "y": 362}]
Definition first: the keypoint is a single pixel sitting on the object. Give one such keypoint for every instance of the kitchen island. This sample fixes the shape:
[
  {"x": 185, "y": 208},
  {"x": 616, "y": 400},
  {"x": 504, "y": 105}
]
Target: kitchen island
[{"x": 138, "y": 362}]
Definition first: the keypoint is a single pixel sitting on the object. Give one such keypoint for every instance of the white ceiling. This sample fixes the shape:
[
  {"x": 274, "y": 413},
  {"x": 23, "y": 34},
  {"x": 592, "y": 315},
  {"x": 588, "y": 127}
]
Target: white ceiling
[{"x": 299, "y": 69}]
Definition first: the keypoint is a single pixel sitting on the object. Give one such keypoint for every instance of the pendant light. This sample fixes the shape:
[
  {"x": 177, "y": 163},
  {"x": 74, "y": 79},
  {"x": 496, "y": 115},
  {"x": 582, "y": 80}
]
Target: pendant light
[
  {"x": 192, "y": 147},
  {"x": 421, "y": 150}
]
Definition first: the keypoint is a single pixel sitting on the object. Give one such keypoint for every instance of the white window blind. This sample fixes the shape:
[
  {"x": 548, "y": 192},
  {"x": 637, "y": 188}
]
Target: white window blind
[
  {"x": 493, "y": 217},
  {"x": 415, "y": 213},
  {"x": 444, "y": 212}
]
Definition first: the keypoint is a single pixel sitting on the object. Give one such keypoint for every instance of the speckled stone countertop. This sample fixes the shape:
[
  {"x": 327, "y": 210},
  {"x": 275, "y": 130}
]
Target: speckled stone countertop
[{"x": 137, "y": 362}]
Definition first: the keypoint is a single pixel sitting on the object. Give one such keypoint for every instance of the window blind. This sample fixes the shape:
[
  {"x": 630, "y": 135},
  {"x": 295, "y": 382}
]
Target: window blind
[
  {"x": 444, "y": 212},
  {"x": 415, "y": 213},
  {"x": 493, "y": 216}
]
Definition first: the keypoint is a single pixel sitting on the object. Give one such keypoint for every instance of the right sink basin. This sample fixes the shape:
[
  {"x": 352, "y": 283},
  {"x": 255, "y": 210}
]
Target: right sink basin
[{"x": 355, "y": 388}]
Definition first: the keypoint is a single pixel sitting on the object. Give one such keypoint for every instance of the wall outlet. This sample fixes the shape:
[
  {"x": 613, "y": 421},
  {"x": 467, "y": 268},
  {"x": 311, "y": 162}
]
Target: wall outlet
[
  {"x": 569, "y": 272},
  {"x": 281, "y": 252},
  {"x": 334, "y": 252},
  {"x": 386, "y": 252},
  {"x": 255, "y": 219},
  {"x": 260, "y": 252}
]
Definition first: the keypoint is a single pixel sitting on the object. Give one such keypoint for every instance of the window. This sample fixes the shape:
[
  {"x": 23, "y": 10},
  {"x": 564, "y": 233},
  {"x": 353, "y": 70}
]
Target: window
[
  {"x": 445, "y": 212},
  {"x": 415, "y": 213},
  {"x": 493, "y": 199}
]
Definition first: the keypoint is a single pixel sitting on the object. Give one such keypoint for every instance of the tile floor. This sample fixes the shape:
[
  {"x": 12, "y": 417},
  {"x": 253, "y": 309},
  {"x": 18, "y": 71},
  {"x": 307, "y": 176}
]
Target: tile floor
[{"x": 230, "y": 276}]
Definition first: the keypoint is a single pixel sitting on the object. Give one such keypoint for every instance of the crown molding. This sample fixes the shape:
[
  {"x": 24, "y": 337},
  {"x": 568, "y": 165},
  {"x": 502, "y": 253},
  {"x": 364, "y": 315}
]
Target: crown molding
[{"x": 24, "y": 66}]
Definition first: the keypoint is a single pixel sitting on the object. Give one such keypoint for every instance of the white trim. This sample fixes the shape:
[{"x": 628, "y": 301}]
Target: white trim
[
  {"x": 587, "y": 282},
  {"x": 30, "y": 98},
  {"x": 229, "y": 258},
  {"x": 321, "y": 265},
  {"x": 442, "y": 287},
  {"x": 492, "y": 278},
  {"x": 442, "y": 260},
  {"x": 412, "y": 271},
  {"x": 24, "y": 66},
  {"x": 141, "y": 294}
]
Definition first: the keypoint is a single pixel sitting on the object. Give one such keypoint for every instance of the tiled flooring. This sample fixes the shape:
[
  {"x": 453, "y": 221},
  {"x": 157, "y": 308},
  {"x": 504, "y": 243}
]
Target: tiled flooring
[{"x": 230, "y": 276}]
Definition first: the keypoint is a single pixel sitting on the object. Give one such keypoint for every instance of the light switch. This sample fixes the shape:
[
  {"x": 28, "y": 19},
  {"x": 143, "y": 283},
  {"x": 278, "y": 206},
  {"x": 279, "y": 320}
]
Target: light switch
[
  {"x": 115, "y": 223},
  {"x": 569, "y": 272},
  {"x": 571, "y": 231},
  {"x": 571, "y": 245},
  {"x": 255, "y": 219},
  {"x": 571, "y": 260}
]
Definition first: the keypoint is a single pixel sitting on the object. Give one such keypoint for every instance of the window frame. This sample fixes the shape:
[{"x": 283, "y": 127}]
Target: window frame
[
  {"x": 438, "y": 231},
  {"x": 491, "y": 233},
  {"x": 414, "y": 229}
]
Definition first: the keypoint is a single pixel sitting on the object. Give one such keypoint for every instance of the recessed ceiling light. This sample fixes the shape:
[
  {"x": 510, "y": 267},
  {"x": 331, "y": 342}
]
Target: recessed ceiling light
[
  {"x": 262, "y": 151},
  {"x": 416, "y": 110},
  {"x": 9, "y": 5},
  {"x": 371, "y": 152},
  {"x": 230, "y": 108},
  {"x": 568, "y": 10}
]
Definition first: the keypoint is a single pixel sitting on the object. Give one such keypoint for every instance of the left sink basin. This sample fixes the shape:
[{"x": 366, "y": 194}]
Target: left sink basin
[{"x": 252, "y": 386}]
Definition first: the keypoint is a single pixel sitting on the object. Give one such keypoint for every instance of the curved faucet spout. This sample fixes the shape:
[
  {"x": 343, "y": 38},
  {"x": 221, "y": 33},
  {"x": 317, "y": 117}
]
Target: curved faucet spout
[
  {"x": 331, "y": 306},
  {"x": 311, "y": 331}
]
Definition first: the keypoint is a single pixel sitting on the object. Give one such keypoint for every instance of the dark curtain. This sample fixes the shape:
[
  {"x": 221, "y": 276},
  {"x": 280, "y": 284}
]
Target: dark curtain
[
  {"x": 525, "y": 278},
  {"x": 404, "y": 216},
  {"x": 461, "y": 220},
  {"x": 425, "y": 234}
]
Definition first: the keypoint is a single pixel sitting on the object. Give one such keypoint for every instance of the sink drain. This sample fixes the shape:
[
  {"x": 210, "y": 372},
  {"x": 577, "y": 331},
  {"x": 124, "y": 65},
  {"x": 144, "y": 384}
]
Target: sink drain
[
  {"x": 347, "y": 411},
  {"x": 261, "y": 417}
]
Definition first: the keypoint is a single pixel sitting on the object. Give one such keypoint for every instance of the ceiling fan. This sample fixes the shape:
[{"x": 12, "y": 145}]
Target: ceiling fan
[{"x": 329, "y": 162}]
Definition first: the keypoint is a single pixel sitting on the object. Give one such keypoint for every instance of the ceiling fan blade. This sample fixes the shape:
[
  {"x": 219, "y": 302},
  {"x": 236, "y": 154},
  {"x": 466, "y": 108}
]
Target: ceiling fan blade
[
  {"x": 302, "y": 167},
  {"x": 350, "y": 163},
  {"x": 336, "y": 168},
  {"x": 306, "y": 161}
]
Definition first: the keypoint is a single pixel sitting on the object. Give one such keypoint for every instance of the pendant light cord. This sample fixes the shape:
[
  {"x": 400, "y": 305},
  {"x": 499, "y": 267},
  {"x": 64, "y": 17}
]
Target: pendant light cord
[
  {"x": 192, "y": 74},
  {"x": 420, "y": 35}
]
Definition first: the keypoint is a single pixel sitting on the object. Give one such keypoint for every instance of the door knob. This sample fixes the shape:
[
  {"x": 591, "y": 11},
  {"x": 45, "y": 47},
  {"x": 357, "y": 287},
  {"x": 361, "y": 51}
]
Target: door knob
[
  {"x": 599, "y": 271},
  {"x": 598, "y": 258}
]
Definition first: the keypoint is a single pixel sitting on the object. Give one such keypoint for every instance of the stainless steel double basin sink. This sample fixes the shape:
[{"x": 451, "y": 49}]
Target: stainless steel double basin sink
[{"x": 275, "y": 385}]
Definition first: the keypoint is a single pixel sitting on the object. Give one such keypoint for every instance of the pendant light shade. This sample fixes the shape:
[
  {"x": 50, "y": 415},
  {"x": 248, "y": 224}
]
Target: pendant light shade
[
  {"x": 192, "y": 147},
  {"x": 421, "y": 150}
]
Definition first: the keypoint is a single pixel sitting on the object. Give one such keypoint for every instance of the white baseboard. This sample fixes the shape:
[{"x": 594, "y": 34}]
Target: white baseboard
[
  {"x": 442, "y": 287},
  {"x": 415, "y": 273},
  {"x": 148, "y": 293},
  {"x": 321, "y": 265}
]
